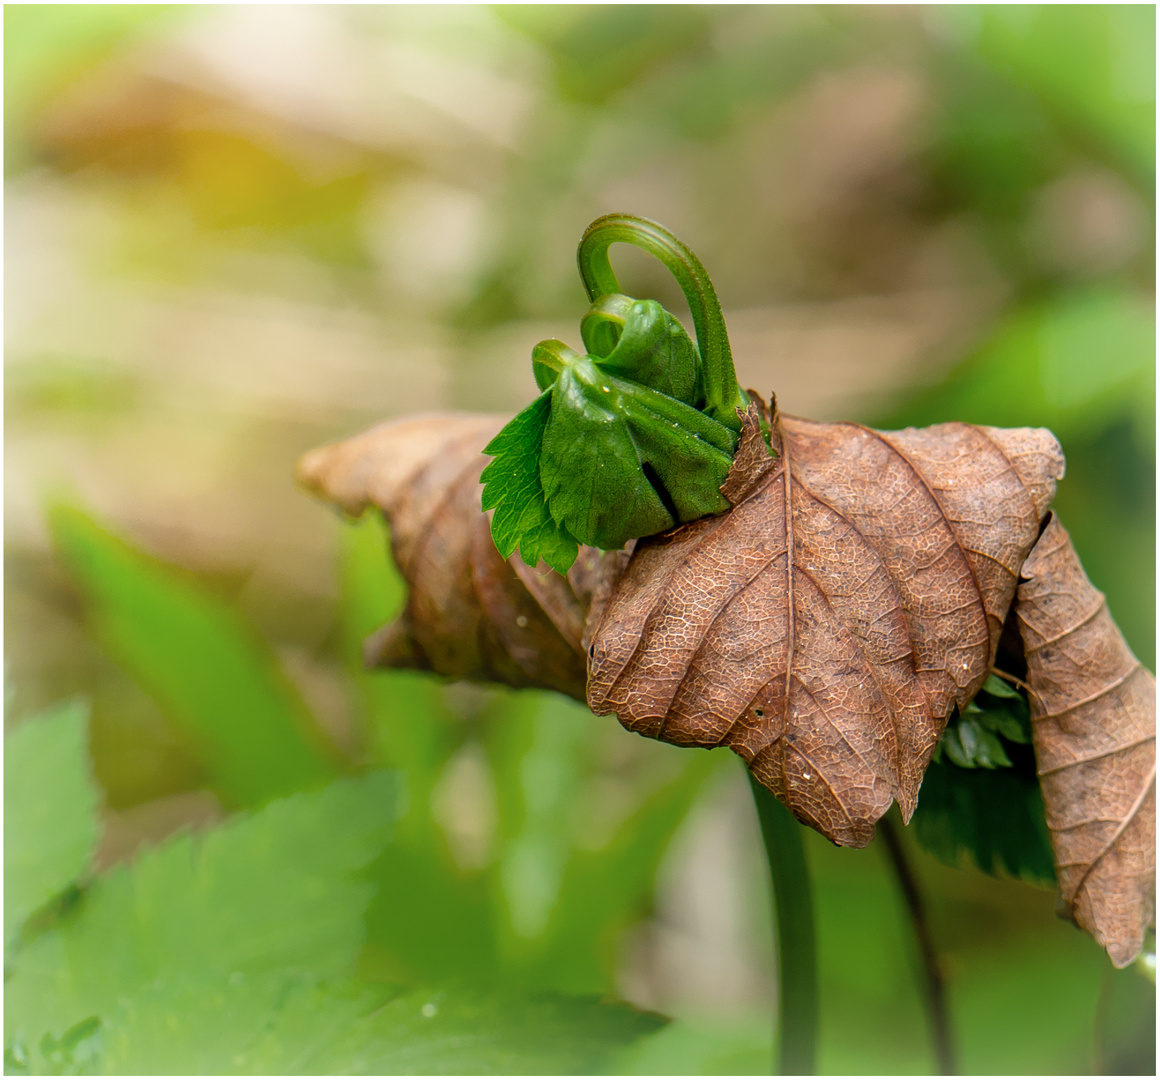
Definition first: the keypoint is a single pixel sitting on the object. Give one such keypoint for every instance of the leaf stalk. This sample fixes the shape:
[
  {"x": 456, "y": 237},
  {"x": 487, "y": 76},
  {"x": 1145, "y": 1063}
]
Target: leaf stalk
[
  {"x": 935, "y": 997},
  {"x": 793, "y": 903}
]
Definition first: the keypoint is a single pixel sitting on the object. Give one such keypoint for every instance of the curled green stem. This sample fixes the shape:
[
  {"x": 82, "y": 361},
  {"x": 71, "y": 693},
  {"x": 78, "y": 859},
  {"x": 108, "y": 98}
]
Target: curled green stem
[
  {"x": 723, "y": 394},
  {"x": 797, "y": 986}
]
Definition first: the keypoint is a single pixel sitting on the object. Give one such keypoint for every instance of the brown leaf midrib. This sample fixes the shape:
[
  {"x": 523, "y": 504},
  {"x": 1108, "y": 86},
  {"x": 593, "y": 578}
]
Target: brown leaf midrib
[
  {"x": 716, "y": 524},
  {"x": 790, "y": 560}
]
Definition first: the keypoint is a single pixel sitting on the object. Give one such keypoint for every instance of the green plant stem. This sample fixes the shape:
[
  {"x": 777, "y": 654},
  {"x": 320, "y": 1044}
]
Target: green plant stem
[
  {"x": 935, "y": 997},
  {"x": 797, "y": 986},
  {"x": 723, "y": 394}
]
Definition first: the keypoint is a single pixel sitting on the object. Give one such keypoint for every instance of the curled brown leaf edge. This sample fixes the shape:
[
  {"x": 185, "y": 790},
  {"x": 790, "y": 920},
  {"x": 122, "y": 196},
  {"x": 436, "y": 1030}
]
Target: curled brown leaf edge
[{"x": 824, "y": 628}]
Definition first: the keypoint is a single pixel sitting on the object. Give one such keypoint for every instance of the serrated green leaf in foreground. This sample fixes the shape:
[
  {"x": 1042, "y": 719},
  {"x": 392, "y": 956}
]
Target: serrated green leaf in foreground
[
  {"x": 49, "y": 806},
  {"x": 281, "y": 889},
  {"x": 277, "y": 1025},
  {"x": 207, "y": 670}
]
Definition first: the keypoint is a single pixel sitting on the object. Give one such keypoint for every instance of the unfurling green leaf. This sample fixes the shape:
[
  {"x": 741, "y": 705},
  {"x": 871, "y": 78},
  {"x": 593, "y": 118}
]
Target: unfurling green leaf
[
  {"x": 630, "y": 439},
  {"x": 639, "y": 340},
  {"x": 619, "y": 460}
]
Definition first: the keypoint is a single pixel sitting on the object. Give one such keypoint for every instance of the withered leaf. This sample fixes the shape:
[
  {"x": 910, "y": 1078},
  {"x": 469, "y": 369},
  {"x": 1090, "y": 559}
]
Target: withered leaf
[
  {"x": 824, "y": 628},
  {"x": 469, "y": 614},
  {"x": 1093, "y": 708}
]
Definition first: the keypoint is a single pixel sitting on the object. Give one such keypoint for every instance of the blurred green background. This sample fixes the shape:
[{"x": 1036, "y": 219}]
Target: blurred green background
[{"x": 234, "y": 233}]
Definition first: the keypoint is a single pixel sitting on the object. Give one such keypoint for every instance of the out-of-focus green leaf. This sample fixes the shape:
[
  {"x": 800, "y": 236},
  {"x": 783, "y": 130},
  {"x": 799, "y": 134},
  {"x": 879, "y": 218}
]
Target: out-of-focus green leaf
[
  {"x": 1093, "y": 65},
  {"x": 1126, "y": 1024},
  {"x": 1003, "y": 709},
  {"x": 282, "y": 889},
  {"x": 603, "y": 891},
  {"x": 561, "y": 906},
  {"x": 971, "y": 739},
  {"x": 997, "y": 687},
  {"x": 993, "y": 818},
  {"x": 702, "y": 1048},
  {"x": 278, "y": 1025},
  {"x": 428, "y": 921},
  {"x": 404, "y": 711},
  {"x": 970, "y": 745},
  {"x": 537, "y": 752},
  {"x": 204, "y": 666},
  {"x": 998, "y": 823},
  {"x": 1073, "y": 363},
  {"x": 598, "y": 50},
  {"x": 49, "y": 811}
]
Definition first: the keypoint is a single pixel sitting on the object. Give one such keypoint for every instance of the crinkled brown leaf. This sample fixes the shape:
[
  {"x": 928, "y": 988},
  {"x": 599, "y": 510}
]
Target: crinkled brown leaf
[
  {"x": 1093, "y": 708},
  {"x": 469, "y": 613},
  {"x": 826, "y": 645},
  {"x": 824, "y": 628}
]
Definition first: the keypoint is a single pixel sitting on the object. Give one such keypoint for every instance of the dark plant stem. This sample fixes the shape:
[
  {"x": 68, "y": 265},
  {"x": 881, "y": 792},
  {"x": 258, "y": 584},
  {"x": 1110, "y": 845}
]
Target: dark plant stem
[
  {"x": 793, "y": 903},
  {"x": 936, "y": 998}
]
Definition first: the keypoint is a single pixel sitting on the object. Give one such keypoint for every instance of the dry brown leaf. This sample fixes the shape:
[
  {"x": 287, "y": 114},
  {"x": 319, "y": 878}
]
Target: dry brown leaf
[
  {"x": 469, "y": 613},
  {"x": 1093, "y": 708},
  {"x": 827, "y": 645}
]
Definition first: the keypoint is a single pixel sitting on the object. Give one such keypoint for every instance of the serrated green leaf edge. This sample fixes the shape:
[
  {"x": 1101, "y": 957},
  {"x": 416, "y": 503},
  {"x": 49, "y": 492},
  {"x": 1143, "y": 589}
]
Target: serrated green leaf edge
[
  {"x": 514, "y": 492},
  {"x": 50, "y": 803},
  {"x": 282, "y": 888},
  {"x": 279, "y": 1024}
]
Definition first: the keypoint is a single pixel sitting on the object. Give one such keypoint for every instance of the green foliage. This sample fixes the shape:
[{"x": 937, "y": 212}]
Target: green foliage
[
  {"x": 427, "y": 919},
  {"x": 279, "y": 890},
  {"x": 992, "y": 818},
  {"x": 513, "y": 488},
  {"x": 49, "y": 801},
  {"x": 632, "y": 438},
  {"x": 440, "y": 924},
  {"x": 562, "y": 906},
  {"x": 282, "y": 1025},
  {"x": 600, "y": 459},
  {"x": 202, "y": 664},
  {"x": 1093, "y": 67},
  {"x": 972, "y": 739},
  {"x": 980, "y": 801},
  {"x": 546, "y": 909},
  {"x": 233, "y": 953}
]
